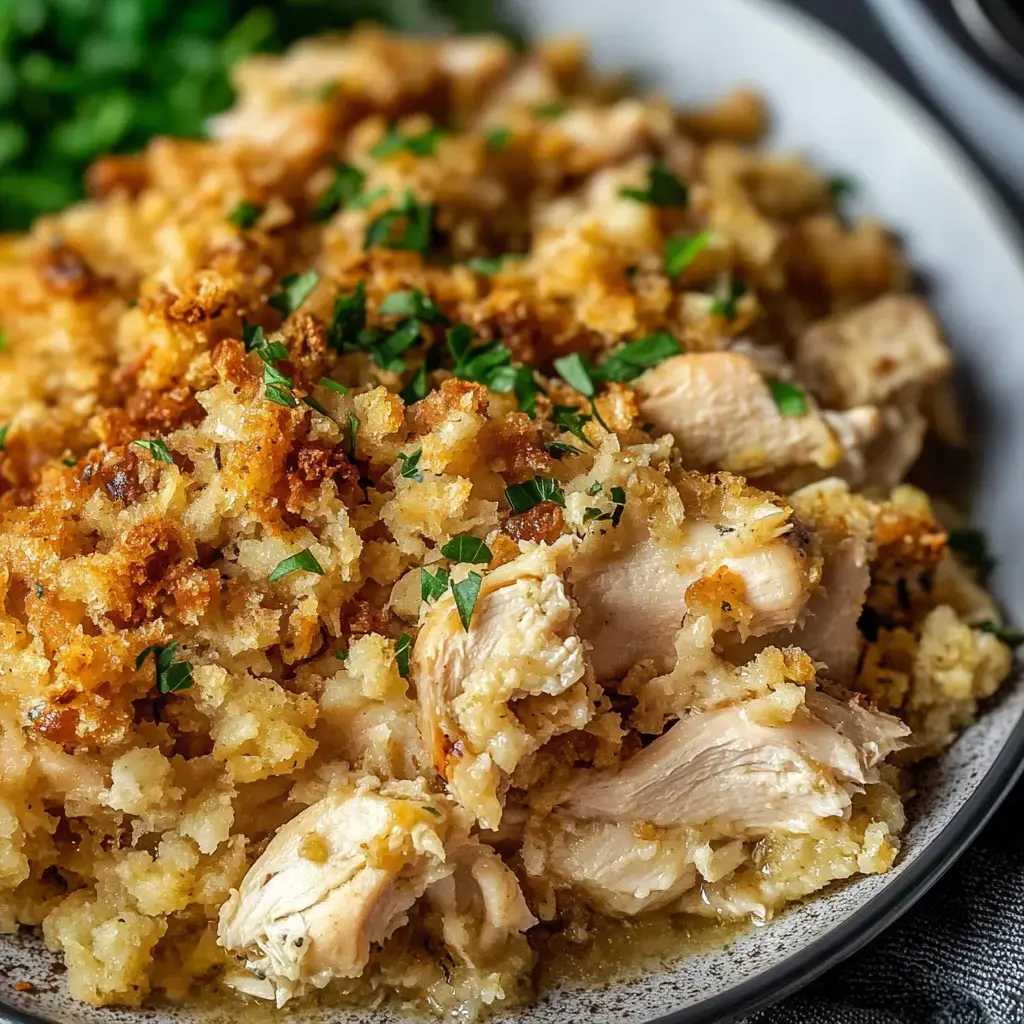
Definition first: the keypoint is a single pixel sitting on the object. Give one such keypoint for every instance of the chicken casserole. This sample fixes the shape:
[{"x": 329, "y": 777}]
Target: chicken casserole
[{"x": 460, "y": 505}]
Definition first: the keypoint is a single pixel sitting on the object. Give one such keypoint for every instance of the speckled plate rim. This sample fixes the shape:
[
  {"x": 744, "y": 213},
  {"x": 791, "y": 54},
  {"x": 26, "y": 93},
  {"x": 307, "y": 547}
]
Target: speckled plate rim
[{"x": 928, "y": 866}]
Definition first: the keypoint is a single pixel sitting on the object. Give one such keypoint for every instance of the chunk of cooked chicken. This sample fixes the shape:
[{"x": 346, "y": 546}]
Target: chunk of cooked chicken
[
  {"x": 723, "y": 543},
  {"x": 874, "y": 353},
  {"x": 340, "y": 876},
  {"x": 522, "y": 645},
  {"x": 738, "y": 778},
  {"x": 721, "y": 413}
]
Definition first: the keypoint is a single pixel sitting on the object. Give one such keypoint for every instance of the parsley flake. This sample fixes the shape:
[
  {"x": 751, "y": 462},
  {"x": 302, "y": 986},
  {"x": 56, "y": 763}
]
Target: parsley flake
[
  {"x": 353, "y": 430},
  {"x": 245, "y": 214},
  {"x": 682, "y": 250},
  {"x": 634, "y": 358},
  {"x": 411, "y": 465},
  {"x": 498, "y": 138},
  {"x": 387, "y": 352},
  {"x": 522, "y": 497},
  {"x": 727, "y": 299},
  {"x": 276, "y": 386},
  {"x": 407, "y": 227},
  {"x": 318, "y": 406},
  {"x": 332, "y": 385},
  {"x": 550, "y": 110},
  {"x": 839, "y": 187},
  {"x": 341, "y": 654},
  {"x": 663, "y": 189},
  {"x": 158, "y": 449},
  {"x": 253, "y": 337},
  {"x": 488, "y": 265},
  {"x": 466, "y": 593},
  {"x": 295, "y": 289},
  {"x": 304, "y": 561},
  {"x": 1009, "y": 635},
  {"x": 171, "y": 675},
  {"x": 433, "y": 586},
  {"x": 348, "y": 320},
  {"x": 3, "y": 340},
  {"x": 972, "y": 547},
  {"x": 395, "y": 141},
  {"x": 789, "y": 400},
  {"x": 402, "y": 648},
  {"x": 39, "y": 591},
  {"x": 433, "y": 810},
  {"x": 576, "y": 371},
  {"x": 570, "y": 419},
  {"x": 412, "y": 303},
  {"x": 4, "y": 430},
  {"x": 340, "y": 193},
  {"x": 560, "y": 449},
  {"x": 525, "y": 387},
  {"x": 417, "y": 386},
  {"x": 467, "y": 548}
]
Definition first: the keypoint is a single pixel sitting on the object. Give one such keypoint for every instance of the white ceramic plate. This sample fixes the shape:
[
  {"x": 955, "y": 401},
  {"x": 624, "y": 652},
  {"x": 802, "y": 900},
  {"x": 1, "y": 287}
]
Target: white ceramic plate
[{"x": 839, "y": 109}]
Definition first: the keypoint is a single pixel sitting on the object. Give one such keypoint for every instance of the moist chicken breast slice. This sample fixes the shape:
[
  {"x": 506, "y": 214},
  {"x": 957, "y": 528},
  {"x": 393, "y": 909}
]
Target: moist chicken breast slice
[
  {"x": 633, "y": 590},
  {"x": 874, "y": 353},
  {"x": 724, "y": 771},
  {"x": 521, "y": 643},
  {"x": 721, "y": 413},
  {"x": 340, "y": 876}
]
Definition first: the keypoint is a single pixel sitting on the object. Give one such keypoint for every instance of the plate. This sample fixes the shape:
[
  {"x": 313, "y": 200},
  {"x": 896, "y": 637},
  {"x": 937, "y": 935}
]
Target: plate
[{"x": 841, "y": 111}]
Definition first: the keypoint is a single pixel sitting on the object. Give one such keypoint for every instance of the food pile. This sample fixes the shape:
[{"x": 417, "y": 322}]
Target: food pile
[{"x": 459, "y": 505}]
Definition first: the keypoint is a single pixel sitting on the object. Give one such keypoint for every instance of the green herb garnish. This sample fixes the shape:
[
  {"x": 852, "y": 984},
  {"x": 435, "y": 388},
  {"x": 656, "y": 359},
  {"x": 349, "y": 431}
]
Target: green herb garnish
[
  {"x": 344, "y": 188},
  {"x": 467, "y": 548},
  {"x": 522, "y": 497},
  {"x": 353, "y": 430},
  {"x": 1009, "y": 635},
  {"x": 569, "y": 418},
  {"x": 576, "y": 371},
  {"x": 348, "y": 320},
  {"x": 395, "y": 141},
  {"x": 402, "y": 648},
  {"x": 295, "y": 289},
  {"x": 551, "y": 110},
  {"x": 433, "y": 586},
  {"x": 245, "y": 214},
  {"x": 634, "y": 358},
  {"x": 407, "y": 227},
  {"x": 498, "y": 138},
  {"x": 972, "y": 547},
  {"x": 158, "y": 449},
  {"x": 304, "y": 561},
  {"x": 789, "y": 400},
  {"x": 488, "y": 265},
  {"x": 411, "y": 465},
  {"x": 341, "y": 654},
  {"x": 663, "y": 189},
  {"x": 560, "y": 449},
  {"x": 466, "y": 594},
  {"x": 682, "y": 250},
  {"x": 412, "y": 303},
  {"x": 417, "y": 386},
  {"x": 727, "y": 299},
  {"x": 171, "y": 675},
  {"x": 332, "y": 385}
]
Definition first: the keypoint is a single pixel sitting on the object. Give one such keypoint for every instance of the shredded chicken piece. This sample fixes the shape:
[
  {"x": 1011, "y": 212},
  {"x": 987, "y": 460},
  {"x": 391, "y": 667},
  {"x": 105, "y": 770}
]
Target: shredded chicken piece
[
  {"x": 721, "y": 413},
  {"x": 521, "y": 643}
]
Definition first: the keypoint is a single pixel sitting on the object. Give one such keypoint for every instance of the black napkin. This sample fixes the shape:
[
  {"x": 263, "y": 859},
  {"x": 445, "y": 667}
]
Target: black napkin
[{"x": 956, "y": 958}]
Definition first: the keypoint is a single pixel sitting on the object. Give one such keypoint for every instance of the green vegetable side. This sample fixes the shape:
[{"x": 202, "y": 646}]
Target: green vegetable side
[{"x": 80, "y": 78}]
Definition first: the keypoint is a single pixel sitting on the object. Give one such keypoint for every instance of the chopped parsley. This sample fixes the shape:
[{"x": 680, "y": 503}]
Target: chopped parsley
[
  {"x": 839, "y": 187},
  {"x": 570, "y": 419},
  {"x": 39, "y": 591},
  {"x": 412, "y": 303},
  {"x": 433, "y": 586},
  {"x": 560, "y": 449},
  {"x": 69, "y": 462},
  {"x": 3, "y": 340},
  {"x": 318, "y": 406},
  {"x": 408, "y": 226},
  {"x": 332, "y": 385},
  {"x": 682, "y": 250},
  {"x": 295, "y": 289},
  {"x": 433, "y": 810},
  {"x": 489, "y": 363},
  {"x": 402, "y": 648},
  {"x": 575, "y": 370},
  {"x": 635, "y": 357},
  {"x": 353, "y": 431},
  {"x": 467, "y": 548},
  {"x": 663, "y": 189},
  {"x": 245, "y": 214},
  {"x": 594, "y": 488},
  {"x": 522, "y": 497},
  {"x": 790, "y": 400},
  {"x": 727, "y": 299},
  {"x": 411, "y": 465},
  {"x": 340, "y": 193},
  {"x": 972, "y": 547},
  {"x": 304, "y": 561},
  {"x": 341, "y": 654},
  {"x": 276, "y": 386},
  {"x": 551, "y": 110},
  {"x": 395, "y": 141},
  {"x": 498, "y": 138},
  {"x": 466, "y": 594},
  {"x": 158, "y": 449},
  {"x": 417, "y": 386},
  {"x": 618, "y": 496},
  {"x": 348, "y": 320},
  {"x": 1010, "y": 635},
  {"x": 171, "y": 675},
  {"x": 4, "y": 430},
  {"x": 488, "y": 265},
  {"x": 253, "y": 337},
  {"x": 526, "y": 387},
  {"x": 367, "y": 199},
  {"x": 387, "y": 352}
]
